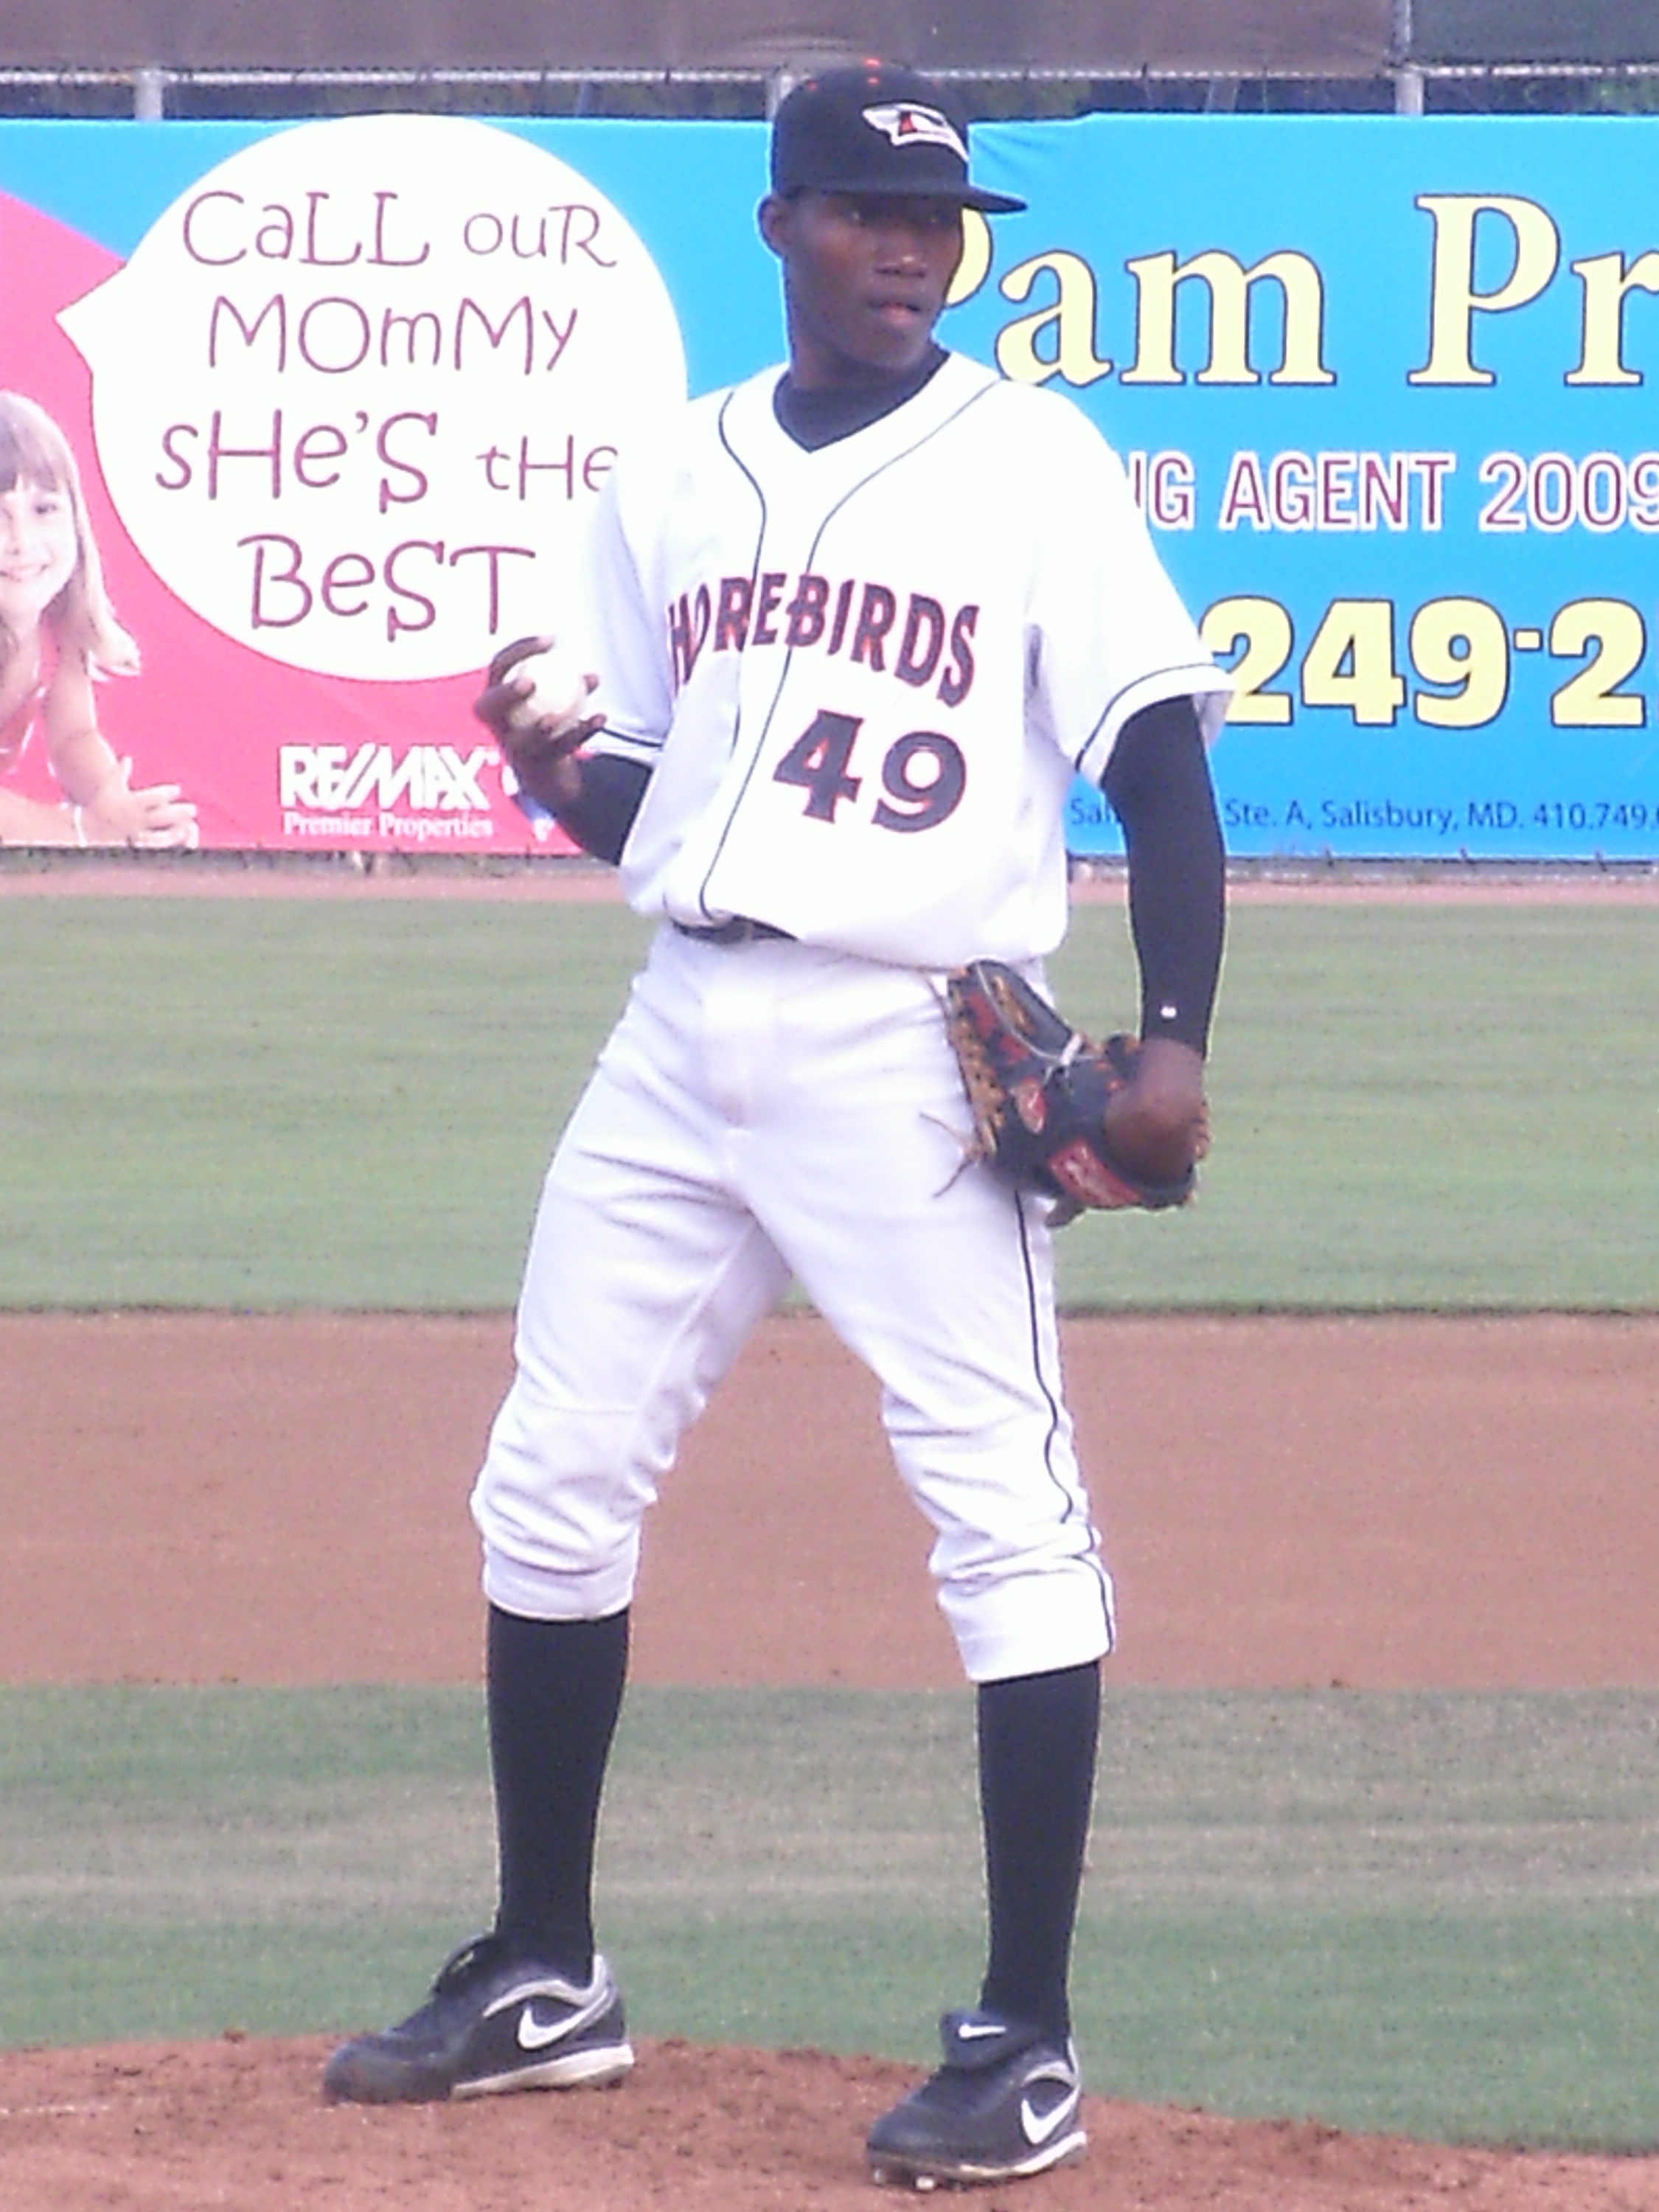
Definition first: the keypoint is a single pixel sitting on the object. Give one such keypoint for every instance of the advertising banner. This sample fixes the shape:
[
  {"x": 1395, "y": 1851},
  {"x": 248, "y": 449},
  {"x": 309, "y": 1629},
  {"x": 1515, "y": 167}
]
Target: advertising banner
[{"x": 300, "y": 423}]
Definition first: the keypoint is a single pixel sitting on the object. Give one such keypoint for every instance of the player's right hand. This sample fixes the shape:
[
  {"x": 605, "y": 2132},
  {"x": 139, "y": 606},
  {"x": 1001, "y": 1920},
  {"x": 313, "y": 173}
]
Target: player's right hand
[
  {"x": 541, "y": 756},
  {"x": 1158, "y": 1124}
]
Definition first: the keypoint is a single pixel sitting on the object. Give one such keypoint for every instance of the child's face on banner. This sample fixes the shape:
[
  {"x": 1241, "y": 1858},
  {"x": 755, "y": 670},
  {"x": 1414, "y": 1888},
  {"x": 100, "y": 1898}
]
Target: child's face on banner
[{"x": 37, "y": 551}]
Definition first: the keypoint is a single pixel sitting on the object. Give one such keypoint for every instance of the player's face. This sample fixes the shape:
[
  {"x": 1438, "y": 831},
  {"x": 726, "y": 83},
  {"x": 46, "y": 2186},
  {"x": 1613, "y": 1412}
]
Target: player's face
[
  {"x": 864, "y": 276},
  {"x": 38, "y": 552}
]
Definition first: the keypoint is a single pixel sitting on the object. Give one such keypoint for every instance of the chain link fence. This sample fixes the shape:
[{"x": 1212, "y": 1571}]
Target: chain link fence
[{"x": 1404, "y": 88}]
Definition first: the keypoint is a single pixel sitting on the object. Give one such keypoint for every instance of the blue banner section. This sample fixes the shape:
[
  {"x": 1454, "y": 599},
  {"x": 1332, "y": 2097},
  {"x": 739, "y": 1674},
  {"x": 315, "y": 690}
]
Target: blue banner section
[{"x": 1385, "y": 389}]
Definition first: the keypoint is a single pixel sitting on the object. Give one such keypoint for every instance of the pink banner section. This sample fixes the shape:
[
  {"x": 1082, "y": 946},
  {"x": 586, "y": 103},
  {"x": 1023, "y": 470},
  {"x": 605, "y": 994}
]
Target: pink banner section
[{"x": 254, "y": 755}]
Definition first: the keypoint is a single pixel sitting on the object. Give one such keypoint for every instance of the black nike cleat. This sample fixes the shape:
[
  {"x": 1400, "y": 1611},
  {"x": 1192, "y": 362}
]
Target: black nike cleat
[
  {"x": 493, "y": 2021},
  {"x": 1007, "y": 2102}
]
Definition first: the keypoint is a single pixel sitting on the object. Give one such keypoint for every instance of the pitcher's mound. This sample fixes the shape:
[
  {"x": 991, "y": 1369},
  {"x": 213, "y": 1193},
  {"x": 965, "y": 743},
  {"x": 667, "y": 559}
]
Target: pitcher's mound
[{"x": 242, "y": 2123}]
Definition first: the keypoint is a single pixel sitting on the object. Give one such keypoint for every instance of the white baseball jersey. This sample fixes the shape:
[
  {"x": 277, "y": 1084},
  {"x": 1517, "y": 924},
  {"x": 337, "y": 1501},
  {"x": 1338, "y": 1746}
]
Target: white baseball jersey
[{"x": 864, "y": 677}]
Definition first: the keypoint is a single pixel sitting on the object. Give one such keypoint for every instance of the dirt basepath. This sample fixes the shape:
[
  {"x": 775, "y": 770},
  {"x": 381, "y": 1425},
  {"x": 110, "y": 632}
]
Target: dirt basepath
[
  {"x": 389, "y": 875},
  {"x": 1384, "y": 1503}
]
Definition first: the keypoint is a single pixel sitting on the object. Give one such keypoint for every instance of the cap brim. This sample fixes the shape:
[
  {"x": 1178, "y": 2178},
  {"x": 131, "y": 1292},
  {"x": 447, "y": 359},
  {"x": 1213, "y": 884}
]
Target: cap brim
[{"x": 967, "y": 195}]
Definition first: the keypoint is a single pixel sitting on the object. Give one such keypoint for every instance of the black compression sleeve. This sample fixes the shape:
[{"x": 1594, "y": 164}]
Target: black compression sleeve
[
  {"x": 1159, "y": 783},
  {"x": 603, "y": 812}
]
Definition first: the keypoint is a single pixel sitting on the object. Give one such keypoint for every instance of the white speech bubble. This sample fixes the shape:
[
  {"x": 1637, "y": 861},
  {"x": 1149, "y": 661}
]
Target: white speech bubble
[{"x": 356, "y": 393}]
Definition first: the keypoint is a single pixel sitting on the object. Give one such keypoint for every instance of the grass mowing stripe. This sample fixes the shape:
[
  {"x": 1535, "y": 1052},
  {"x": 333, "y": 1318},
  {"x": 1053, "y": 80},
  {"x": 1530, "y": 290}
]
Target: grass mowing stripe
[
  {"x": 280, "y": 1102},
  {"x": 330, "y": 1103},
  {"x": 1525, "y": 2028},
  {"x": 1415, "y": 1106},
  {"x": 1435, "y": 1914}
]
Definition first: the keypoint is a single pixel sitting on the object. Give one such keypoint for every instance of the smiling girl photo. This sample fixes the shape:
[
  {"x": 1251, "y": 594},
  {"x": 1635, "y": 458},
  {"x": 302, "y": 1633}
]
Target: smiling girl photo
[{"x": 58, "y": 636}]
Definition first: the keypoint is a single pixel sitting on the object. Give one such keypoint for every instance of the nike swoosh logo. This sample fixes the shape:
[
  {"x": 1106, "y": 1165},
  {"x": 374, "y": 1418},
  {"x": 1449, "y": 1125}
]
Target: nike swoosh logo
[
  {"x": 535, "y": 2034},
  {"x": 972, "y": 2030},
  {"x": 1039, "y": 2126}
]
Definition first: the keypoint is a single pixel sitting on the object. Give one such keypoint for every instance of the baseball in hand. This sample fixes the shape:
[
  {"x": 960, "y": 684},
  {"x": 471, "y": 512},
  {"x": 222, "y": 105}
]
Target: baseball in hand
[{"x": 559, "y": 694}]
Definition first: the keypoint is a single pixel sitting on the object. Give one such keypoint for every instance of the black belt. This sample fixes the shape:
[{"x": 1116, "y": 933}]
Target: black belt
[{"x": 740, "y": 930}]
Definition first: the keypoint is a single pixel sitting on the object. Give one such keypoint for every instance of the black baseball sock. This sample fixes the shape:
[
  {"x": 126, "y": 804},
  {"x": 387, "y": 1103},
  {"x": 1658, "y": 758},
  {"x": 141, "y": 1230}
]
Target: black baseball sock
[
  {"x": 555, "y": 1691},
  {"x": 1037, "y": 1737}
]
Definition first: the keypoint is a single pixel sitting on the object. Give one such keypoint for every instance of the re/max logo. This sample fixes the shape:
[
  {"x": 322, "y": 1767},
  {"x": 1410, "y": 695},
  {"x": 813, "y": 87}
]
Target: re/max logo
[{"x": 336, "y": 779}]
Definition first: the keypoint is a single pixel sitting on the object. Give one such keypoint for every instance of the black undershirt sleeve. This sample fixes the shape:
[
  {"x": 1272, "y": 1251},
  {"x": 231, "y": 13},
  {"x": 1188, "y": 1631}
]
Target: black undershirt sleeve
[
  {"x": 1158, "y": 782},
  {"x": 603, "y": 812}
]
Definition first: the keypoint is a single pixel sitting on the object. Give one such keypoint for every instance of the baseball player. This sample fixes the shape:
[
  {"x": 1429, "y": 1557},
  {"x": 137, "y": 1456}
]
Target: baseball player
[{"x": 855, "y": 625}]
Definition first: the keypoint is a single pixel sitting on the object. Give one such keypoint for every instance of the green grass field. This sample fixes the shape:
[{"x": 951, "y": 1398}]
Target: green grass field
[
  {"x": 1433, "y": 1914},
  {"x": 1429, "y": 1914},
  {"x": 339, "y": 1102}
]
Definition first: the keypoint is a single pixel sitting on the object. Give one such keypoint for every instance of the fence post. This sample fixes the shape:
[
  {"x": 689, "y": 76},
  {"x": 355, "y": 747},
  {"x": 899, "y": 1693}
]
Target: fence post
[{"x": 1407, "y": 80}]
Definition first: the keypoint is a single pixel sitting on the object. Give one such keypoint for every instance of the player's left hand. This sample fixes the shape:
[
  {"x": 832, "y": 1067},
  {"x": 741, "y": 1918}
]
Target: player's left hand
[
  {"x": 540, "y": 754},
  {"x": 1157, "y": 1123}
]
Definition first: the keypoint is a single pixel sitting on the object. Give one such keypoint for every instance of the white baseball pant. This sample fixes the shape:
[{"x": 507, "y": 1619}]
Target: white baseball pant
[{"x": 763, "y": 1110}]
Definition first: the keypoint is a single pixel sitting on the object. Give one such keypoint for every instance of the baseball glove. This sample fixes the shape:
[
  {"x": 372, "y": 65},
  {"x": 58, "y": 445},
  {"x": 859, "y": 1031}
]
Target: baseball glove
[{"x": 1038, "y": 1091}]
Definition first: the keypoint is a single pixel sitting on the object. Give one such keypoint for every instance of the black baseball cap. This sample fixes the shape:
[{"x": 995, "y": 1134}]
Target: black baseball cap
[{"x": 876, "y": 129}]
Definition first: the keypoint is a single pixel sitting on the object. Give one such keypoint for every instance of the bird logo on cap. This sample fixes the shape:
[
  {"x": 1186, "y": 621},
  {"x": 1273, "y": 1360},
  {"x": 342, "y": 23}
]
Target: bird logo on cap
[{"x": 907, "y": 123}]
